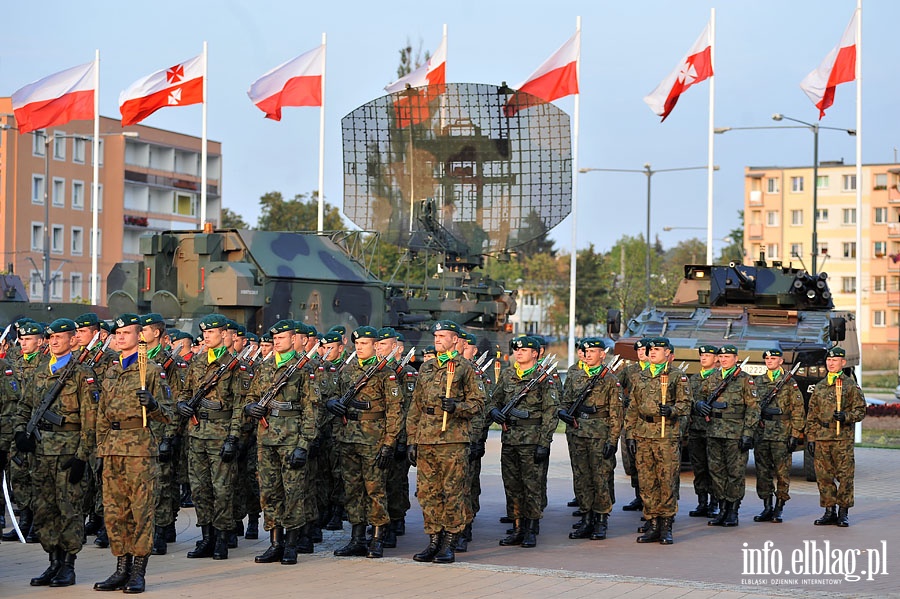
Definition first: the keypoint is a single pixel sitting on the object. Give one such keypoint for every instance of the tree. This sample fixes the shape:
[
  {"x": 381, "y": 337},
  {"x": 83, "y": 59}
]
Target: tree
[
  {"x": 409, "y": 61},
  {"x": 232, "y": 220},
  {"x": 690, "y": 251},
  {"x": 298, "y": 214},
  {"x": 734, "y": 251}
]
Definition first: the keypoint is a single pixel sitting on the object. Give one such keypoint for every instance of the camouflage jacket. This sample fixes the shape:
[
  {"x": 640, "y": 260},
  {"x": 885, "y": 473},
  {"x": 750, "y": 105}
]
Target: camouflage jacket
[
  {"x": 225, "y": 399},
  {"x": 119, "y": 414},
  {"x": 406, "y": 378},
  {"x": 174, "y": 377},
  {"x": 697, "y": 422},
  {"x": 602, "y": 413},
  {"x": 380, "y": 423},
  {"x": 26, "y": 369},
  {"x": 541, "y": 404},
  {"x": 76, "y": 404},
  {"x": 627, "y": 377},
  {"x": 642, "y": 419},
  {"x": 292, "y": 411},
  {"x": 740, "y": 417},
  {"x": 423, "y": 425},
  {"x": 784, "y": 416},
  {"x": 820, "y": 422},
  {"x": 9, "y": 399}
]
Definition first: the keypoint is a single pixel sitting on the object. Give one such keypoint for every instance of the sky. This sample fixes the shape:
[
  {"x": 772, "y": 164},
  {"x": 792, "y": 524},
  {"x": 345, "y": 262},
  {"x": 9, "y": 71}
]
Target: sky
[{"x": 764, "y": 48}]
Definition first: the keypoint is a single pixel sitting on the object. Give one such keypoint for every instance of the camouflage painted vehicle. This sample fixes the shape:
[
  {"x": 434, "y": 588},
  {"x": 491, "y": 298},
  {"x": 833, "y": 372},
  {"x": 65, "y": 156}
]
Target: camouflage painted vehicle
[
  {"x": 753, "y": 308},
  {"x": 15, "y": 304}
]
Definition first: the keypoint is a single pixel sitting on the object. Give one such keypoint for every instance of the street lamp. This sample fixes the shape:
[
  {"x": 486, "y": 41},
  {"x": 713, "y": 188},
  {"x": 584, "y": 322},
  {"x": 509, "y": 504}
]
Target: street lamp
[{"x": 649, "y": 172}]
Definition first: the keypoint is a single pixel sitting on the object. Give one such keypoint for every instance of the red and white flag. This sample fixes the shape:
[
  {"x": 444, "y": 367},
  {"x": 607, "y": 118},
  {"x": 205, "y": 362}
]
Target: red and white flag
[
  {"x": 56, "y": 99},
  {"x": 556, "y": 78},
  {"x": 433, "y": 72},
  {"x": 298, "y": 82},
  {"x": 180, "y": 85},
  {"x": 838, "y": 67},
  {"x": 696, "y": 66}
]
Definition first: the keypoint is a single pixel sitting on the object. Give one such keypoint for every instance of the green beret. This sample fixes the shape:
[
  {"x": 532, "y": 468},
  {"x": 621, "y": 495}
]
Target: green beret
[
  {"x": 61, "y": 325},
  {"x": 332, "y": 337},
  {"x": 252, "y": 337},
  {"x": 88, "y": 319},
  {"x": 198, "y": 340},
  {"x": 178, "y": 335},
  {"x": 23, "y": 321},
  {"x": 429, "y": 349},
  {"x": 127, "y": 319},
  {"x": 106, "y": 326},
  {"x": 152, "y": 318},
  {"x": 728, "y": 349},
  {"x": 265, "y": 337},
  {"x": 311, "y": 330},
  {"x": 836, "y": 352},
  {"x": 339, "y": 328},
  {"x": 525, "y": 343},
  {"x": 446, "y": 325},
  {"x": 540, "y": 339},
  {"x": 659, "y": 342},
  {"x": 645, "y": 343},
  {"x": 241, "y": 330},
  {"x": 589, "y": 342},
  {"x": 471, "y": 339},
  {"x": 213, "y": 321},
  {"x": 773, "y": 353},
  {"x": 401, "y": 338},
  {"x": 707, "y": 349},
  {"x": 387, "y": 333},
  {"x": 30, "y": 328},
  {"x": 365, "y": 332},
  {"x": 231, "y": 324},
  {"x": 282, "y": 326},
  {"x": 300, "y": 328}
]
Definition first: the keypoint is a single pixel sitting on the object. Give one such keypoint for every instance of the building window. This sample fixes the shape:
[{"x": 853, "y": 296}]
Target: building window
[
  {"x": 878, "y": 318},
  {"x": 881, "y": 216},
  {"x": 881, "y": 181},
  {"x": 39, "y": 143},
  {"x": 849, "y": 216},
  {"x": 796, "y": 184},
  {"x": 772, "y": 218},
  {"x": 849, "y": 182},
  {"x": 796, "y": 250},
  {"x": 822, "y": 215},
  {"x": 823, "y": 248},
  {"x": 796, "y": 218},
  {"x": 78, "y": 150},
  {"x": 772, "y": 251},
  {"x": 59, "y": 146},
  {"x": 35, "y": 287},
  {"x": 99, "y": 196},
  {"x": 849, "y": 249},
  {"x": 57, "y": 238},
  {"x": 879, "y": 284},
  {"x": 99, "y": 242},
  {"x": 848, "y": 284},
  {"x": 772, "y": 185},
  {"x": 880, "y": 249},
  {"x": 77, "y": 241},
  {"x": 56, "y": 287},
  {"x": 822, "y": 182},
  {"x": 59, "y": 192},
  {"x": 100, "y": 154},
  {"x": 37, "y": 237},
  {"x": 37, "y": 189},
  {"x": 184, "y": 204},
  {"x": 77, "y": 195},
  {"x": 75, "y": 285}
]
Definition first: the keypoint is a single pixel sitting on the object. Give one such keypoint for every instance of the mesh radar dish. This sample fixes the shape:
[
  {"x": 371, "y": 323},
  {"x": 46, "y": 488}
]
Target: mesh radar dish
[{"x": 465, "y": 169}]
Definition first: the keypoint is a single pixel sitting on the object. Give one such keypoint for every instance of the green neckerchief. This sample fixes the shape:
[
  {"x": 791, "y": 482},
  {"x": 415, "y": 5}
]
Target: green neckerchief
[
  {"x": 214, "y": 353},
  {"x": 644, "y": 364},
  {"x": 446, "y": 356},
  {"x": 523, "y": 373},
  {"x": 725, "y": 373},
  {"x": 592, "y": 370},
  {"x": 152, "y": 353},
  {"x": 29, "y": 357},
  {"x": 706, "y": 373},
  {"x": 656, "y": 369},
  {"x": 368, "y": 361},
  {"x": 285, "y": 357},
  {"x": 832, "y": 376},
  {"x": 339, "y": 359},
  {"x": 774, "y": 375}
]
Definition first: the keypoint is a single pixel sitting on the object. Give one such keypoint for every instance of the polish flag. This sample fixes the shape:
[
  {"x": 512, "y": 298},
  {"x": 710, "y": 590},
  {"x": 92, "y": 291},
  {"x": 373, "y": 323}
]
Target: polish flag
[
  {"x": 696, "y": 66},
  {"x": 556, "y": 78},
  {"x": 56, "y": 99},
  {"x": 432, "y": 72},
  {"x": 298, "y": 82},
  {"x": 838, "y": 67},
  {"x": 180, "y": 85}
]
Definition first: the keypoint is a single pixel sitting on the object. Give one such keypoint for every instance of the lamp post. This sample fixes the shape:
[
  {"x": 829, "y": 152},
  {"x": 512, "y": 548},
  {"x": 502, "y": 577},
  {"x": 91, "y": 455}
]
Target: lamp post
[{"x": 649, "y": 172}]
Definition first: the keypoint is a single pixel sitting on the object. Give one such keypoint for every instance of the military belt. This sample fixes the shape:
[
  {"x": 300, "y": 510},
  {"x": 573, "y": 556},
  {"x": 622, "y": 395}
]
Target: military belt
[
  {"x": 281, "y": 413},
  {"x": 651, "y": 419},
  {"x": 524, "y": 422},
  {"x": 216, "y": 415},
  {"x": 826, "y": 423},
  {"x": 124, "y": 425},
  {"x": 433, "y": 411},
  {"x": 590, "y": 415},
  {"x": 65, "y": 427},
  {"x": 210, "y": 404},
  {"x": 724, "y": 416},
  {"x": 775, "y": 416},
  {"x": 364, "y": 415},
  {"x": 282, "y": 405}
]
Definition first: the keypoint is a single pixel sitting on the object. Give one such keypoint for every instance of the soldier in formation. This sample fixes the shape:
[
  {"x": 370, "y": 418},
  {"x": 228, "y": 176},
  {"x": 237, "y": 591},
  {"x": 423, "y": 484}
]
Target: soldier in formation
[
  {"x": 627, "y": 377},
  {"x": 707, "y": 502}
]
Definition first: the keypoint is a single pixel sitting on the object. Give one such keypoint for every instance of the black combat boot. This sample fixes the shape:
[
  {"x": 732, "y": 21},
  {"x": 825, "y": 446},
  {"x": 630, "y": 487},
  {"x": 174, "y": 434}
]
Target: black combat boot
[
  {"x": 390, "y": 537},
  {"x": 204, "y": 547},
  {"x": 56, "y": 557},
  {"x": 702, "y": 509},
  {"x": 585, "y": 527},
  {"x": 66, "y": 575},
  {"x": 93, "y": 524},
  {"x": 159, "y": 541},
  {"x": 275, "y": 550},
  {"x": 507, "y": 520},
  {"x": 637, "y": 504},
  {"x": 445, "y": 554},
  {"x": 651, "y": 534},
  {"x": 829, "y": 517},
  {"x": 600, "y": 525},
  {"x": 462, "y": 540},
  {"x": 777, "y": 511},
  {"x": 102, "y": 540},
  {"x": 399, "y": 525},
  {"x": 186, "y": 498},
  {"x": 645, "y": 526},
  {"x": 767, "y": 513},
  {"x": 579, "y": 513},
  {"x": 220, "y": 549},
  {"x": 731, "y": 515},
  {"x": 719, "y": 520},
  {"x": 135, "y": 582},
  {"x": 291, "y": 538},
  {"x": 231, "y": 537},
  {"x": 529, "y": 539},
  {"x": 238, "y": 528},
  {"x": 304, "y": 542},
  {"x": 434, "y": 544},
  {"x": 315, "y": 532},
  {"x": 714, "y": 505},
  {"x": 376, "y": 545},
  {"x": 26, "y": 517},
  {"x": 573, "y": 503},
  {"x": 581, "y": 522},
  {"x": 252, "y": 527},
  {"x": 516, "y": 536},
  {"x": 665, "y": 530},
  {"x": 357, "y": 545},
  {"x": 171, "y": 534},
  {"x": 335, "y": 522},
  {"x": 843, "y": 518},
  {"x": 117, "y": 580}
]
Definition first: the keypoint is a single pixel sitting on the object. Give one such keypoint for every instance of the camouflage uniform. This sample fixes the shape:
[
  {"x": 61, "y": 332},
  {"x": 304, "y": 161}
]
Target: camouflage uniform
[
  {"x": 627, "y": 377},
  {"x": 698, "y": 452},
  {"x": 9, "y": 398},
  {"x": 398, "y": 470},
  {"x": 246, "y": 487},
  {"x": 783, "y": 418},
  {"x": 330, "y": 482}
]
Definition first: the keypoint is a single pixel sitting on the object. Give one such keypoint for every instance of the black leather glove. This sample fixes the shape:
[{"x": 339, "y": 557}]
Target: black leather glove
[
  {"x": 665, "y": 410},
  {"x": 400, "y": 451},
  {"x": 631, "y": 446},
  {"x": 229, "y": 449},
  {"x": 147, "y": 400},
  {"x": 541, "y": 454},
  {"x": 566, "y": 417},
  {"x": 703, "y": 408},
  {"x": 840, "y": 416},
  {"x": 184, "y": 409},
  {"x": 335, "y": 406},
  {"x": 811, "y": 447},
  {"x": 385, "y": 456},
  {"x": 497, "y": 416},
  {"x": 473, "y": 452},
  {"x": 412, "y": 454},
  {"x": 254, "y": 410},
  {"x": 481, "y": 449},
  {"x": 76, "y": 469},
  {"x": 166, "y": 450},
  {"x": 609, "y": 450},
  {"x": 448, "y": 404},
  {"x": 4, "y": 456},
  {"x": 243, "y": 447},
  {"x": 24, "y": 443},
  {"x": 298, "y": 458},
  {"x": 792, "y": 443},
  {"x": 745, "y": 443},
  {"x": 315, "y": 447}
]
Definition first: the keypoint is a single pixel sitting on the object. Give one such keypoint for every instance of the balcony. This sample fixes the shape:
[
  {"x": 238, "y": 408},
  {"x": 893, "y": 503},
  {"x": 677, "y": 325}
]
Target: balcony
[
  {"x": 756, "y": 231},
  {"x": 893, "y": 194},
  {"x": 756, "y": 198},
  {"x": 893, "y": 299},
  {"x": 893, "y": 229}
]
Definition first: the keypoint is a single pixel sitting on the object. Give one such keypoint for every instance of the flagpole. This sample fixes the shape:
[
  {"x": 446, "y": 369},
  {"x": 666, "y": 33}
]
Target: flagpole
[
  {"x": 709, "y": 160},
  {"x": 203, "y": 152},
  {"x": 322, "y": 146},
  {"x": 574, "y": 257},
  {"x": 859, "y": 208},
  {"x": 95, "y": 185}
]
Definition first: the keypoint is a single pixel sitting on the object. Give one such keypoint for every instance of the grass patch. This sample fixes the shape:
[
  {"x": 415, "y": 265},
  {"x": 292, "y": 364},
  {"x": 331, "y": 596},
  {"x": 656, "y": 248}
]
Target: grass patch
[
  {"x": 881, "y": 431},
  {"x": 880, "y": 381}
]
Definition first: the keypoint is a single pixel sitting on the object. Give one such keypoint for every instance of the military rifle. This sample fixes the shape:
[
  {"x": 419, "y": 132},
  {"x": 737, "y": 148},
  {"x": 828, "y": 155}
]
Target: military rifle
[
  {"x": 718, "y": 391},
  {"x": 402, "y": 364},
  {"x": 170, "y": 358},
  {"x": 764, "y": 409},
  {"x": 211, "y": 380},
  {"x": 97, "y": 353},
  {"x": 348, "y": 399},
  {"x": 575, "y": 408},
  {"x": 544, "y": 369},
  {"x": 283, "y": 378}
]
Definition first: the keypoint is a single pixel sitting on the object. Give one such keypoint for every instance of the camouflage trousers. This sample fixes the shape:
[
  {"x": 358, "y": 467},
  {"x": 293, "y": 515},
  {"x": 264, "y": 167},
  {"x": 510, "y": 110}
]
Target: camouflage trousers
[
  {"x": 727, "y": 468},
  {"x": 20, "y": 481},
  {"x": 93, "y": 495},
  {"x": 398, "y": 488},
  {"x": 365, "y": 497},
  {"x": 523, "y": 481},
  {"x": 130, "y": 490},
  {"x": 591, "y": 475},
  {"x": 286, "y": 495},
  {"x": 835, "y": 464},
  {"x": 441, "y": 486},
  {"x": 330, "y": 485},
  {"x": 180, "y": 459},
  {"x": 658, "y": 462},
  {"x": 773, "y": 469},
  {"x": 697, "y": 449},
  {"x": 58, "y": 504},
  {"x": 246, "y": 485},
  {"x": 629, "y": 465},
  {"x": 168, "y": 496},
  {"x": 212, "y": 484},
  {"x": 473, "y": 486}
]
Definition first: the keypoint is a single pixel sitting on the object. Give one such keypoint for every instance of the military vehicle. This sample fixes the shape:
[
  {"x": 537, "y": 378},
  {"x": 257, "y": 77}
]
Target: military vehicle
[
  {"x": 754, "y": 308},
  {"x": 15, "y": 304}
]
